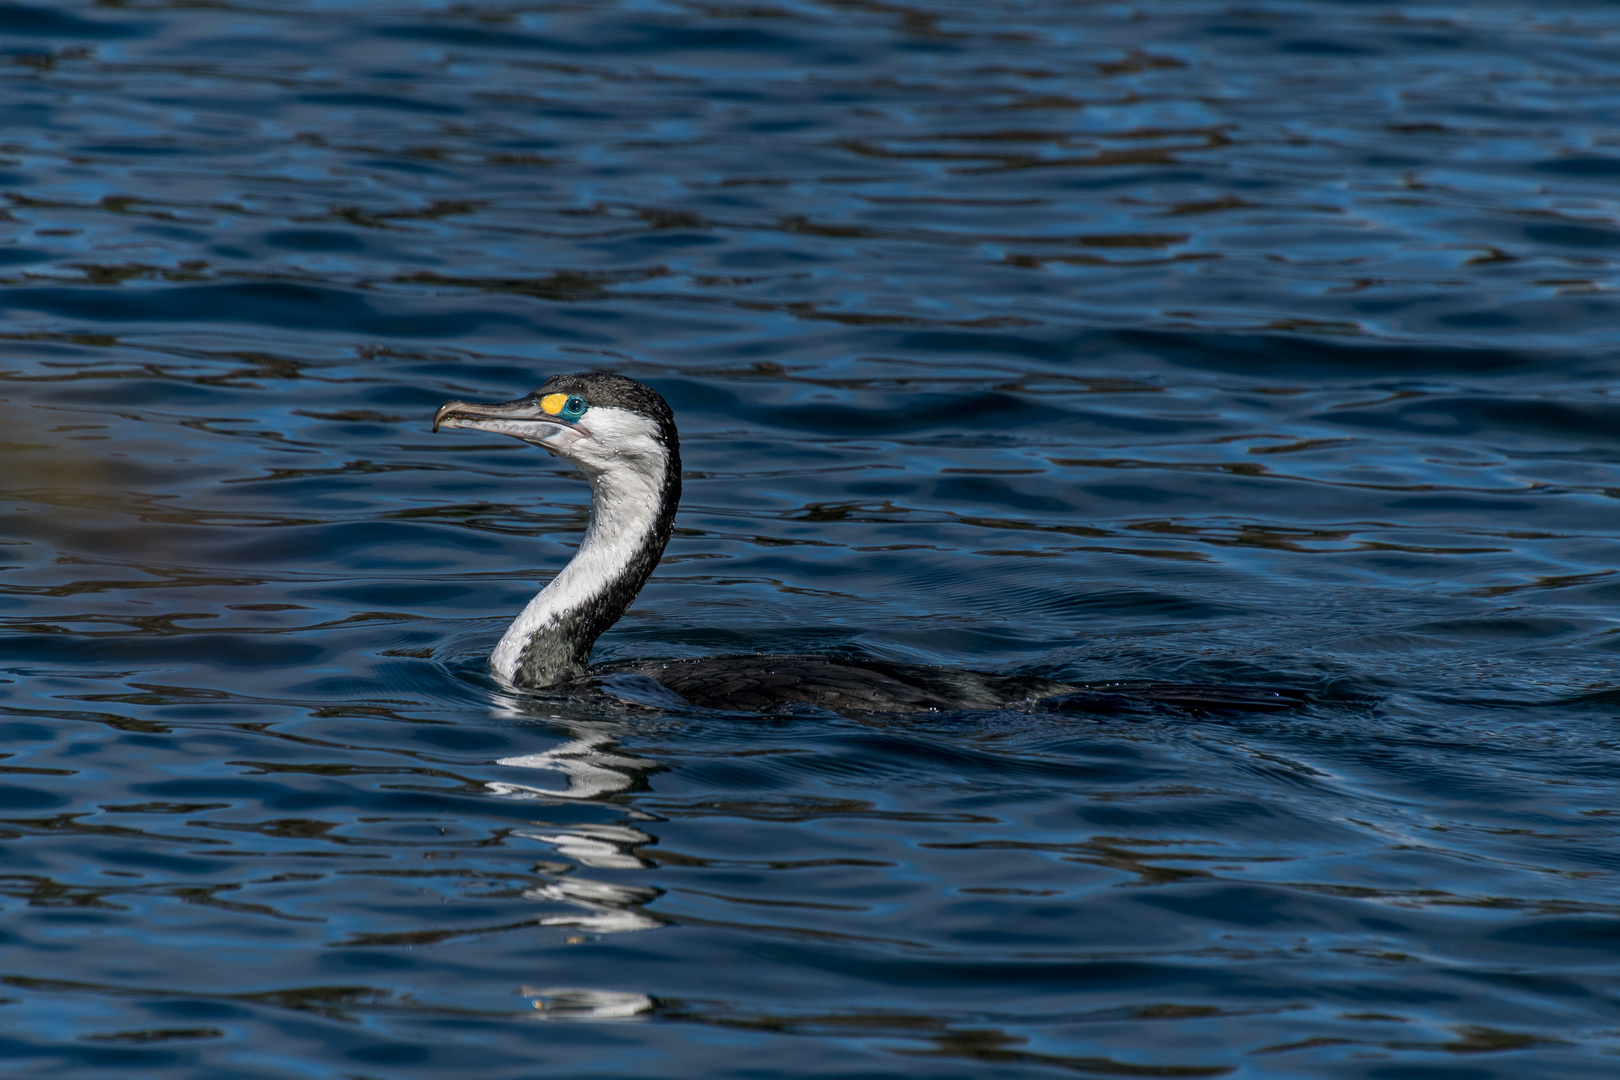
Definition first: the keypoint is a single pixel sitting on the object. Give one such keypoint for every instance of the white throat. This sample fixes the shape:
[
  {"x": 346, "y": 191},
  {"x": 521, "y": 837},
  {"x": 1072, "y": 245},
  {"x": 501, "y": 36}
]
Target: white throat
[{"x": 626, "y": 492}]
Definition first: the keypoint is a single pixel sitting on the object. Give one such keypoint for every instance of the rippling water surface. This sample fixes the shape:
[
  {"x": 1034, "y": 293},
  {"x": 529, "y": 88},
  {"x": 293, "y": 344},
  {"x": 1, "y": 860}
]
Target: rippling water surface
[{"x": 1271, "y": 342}]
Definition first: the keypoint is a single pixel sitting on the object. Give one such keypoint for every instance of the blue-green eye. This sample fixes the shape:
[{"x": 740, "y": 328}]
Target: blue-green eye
[{"x": 573, "y": 408}]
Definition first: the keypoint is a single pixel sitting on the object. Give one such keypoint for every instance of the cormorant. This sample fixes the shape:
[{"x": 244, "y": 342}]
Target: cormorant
[{"x": 621, "y": 435}]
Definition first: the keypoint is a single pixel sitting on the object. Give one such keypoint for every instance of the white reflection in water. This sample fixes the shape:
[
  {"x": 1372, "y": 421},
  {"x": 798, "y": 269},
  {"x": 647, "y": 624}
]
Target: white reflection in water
[
  {"x": 608, "y": 908},
  {"x": 591, "y": 768},
  {"x": 604, "y": 846},
  {"x": 572, "y": 1003}
]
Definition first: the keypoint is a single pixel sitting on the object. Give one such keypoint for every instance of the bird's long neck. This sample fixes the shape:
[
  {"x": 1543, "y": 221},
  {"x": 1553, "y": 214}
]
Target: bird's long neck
[{"x": 632, "y": 514}]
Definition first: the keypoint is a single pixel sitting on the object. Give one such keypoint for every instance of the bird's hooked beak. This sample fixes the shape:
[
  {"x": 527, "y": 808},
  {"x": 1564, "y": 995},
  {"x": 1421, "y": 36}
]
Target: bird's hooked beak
[{"x": 524, "y": 419}]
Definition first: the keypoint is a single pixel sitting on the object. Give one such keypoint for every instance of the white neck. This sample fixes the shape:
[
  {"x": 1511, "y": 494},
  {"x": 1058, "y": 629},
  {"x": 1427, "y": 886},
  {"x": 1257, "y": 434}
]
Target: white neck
[{"x": 625, "y": 501}]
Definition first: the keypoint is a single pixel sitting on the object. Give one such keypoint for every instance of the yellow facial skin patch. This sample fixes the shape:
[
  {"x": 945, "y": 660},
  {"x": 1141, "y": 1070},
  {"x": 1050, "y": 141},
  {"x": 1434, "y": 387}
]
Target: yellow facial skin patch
[{"x": 568, "y": 407}]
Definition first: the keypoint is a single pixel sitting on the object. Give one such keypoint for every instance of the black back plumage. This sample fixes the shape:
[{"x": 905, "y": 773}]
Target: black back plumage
[{"x": 768, "y": 683}]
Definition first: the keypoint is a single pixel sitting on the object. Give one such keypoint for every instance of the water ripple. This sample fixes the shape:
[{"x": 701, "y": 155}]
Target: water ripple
[{"x": 1170, "y": 342}]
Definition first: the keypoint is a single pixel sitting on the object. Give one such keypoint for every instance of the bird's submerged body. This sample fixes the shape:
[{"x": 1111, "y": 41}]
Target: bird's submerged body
[
  {"x": 621, "y": 435},
  {"x": 766, "y": 683}
]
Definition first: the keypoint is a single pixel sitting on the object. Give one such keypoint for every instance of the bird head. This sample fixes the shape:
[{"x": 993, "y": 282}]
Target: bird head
[{"x": 600, "y": 422}]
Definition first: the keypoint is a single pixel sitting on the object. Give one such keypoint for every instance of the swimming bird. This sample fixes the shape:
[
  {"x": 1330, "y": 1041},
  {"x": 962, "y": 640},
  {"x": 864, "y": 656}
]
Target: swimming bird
[{"x": 621, "y": 435}]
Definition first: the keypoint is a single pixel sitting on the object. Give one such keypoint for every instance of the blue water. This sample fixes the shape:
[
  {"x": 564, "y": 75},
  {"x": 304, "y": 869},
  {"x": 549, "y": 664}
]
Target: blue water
[{"x": 1274, "y": 343}]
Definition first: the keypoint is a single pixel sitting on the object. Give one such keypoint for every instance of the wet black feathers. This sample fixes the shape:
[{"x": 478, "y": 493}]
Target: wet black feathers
[
  {"x": 765, "y": 683},
  {"x": 854, "y": 685}
]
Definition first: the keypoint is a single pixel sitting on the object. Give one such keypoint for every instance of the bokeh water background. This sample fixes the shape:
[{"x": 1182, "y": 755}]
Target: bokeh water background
[{"x": 1273, "y": 342}]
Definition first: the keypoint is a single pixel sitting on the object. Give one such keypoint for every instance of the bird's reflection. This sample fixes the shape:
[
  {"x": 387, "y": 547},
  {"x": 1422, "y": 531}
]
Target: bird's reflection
[
  {"x": 588, "y": 763},
  {"x": 590, "y": 767},
  {"x": 608, "y": 847},
  {"x": 575, "y": 1003},
  {"x": 607, "y": 908}
]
